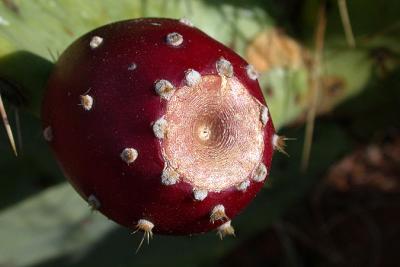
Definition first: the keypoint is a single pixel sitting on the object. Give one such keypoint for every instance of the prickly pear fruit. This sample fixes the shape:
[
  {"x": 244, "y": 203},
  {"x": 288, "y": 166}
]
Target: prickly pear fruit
[{"x": 159, "y": 127}]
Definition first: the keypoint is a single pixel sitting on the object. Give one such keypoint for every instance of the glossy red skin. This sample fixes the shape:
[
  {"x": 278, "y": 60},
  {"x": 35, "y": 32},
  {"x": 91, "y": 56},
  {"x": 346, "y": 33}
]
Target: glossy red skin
[{"x": 88, "y": 143}]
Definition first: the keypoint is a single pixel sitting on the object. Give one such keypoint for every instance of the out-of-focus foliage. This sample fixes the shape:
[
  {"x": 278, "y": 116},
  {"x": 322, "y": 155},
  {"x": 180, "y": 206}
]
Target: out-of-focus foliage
[
  {"x": 45, "y": 28},
  {"x": 33, "y": 170},
  {"x": 52, "y": 223}
]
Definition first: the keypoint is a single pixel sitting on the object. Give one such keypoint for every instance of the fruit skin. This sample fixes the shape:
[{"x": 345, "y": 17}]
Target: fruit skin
[{"x": 88, "y": 143}]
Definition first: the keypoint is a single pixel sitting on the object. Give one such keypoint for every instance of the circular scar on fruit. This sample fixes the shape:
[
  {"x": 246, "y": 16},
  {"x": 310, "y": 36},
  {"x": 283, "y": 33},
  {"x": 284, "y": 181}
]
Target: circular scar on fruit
[
  {"x": 178, "y": 144},
  {"x": 214, "y": 135}
]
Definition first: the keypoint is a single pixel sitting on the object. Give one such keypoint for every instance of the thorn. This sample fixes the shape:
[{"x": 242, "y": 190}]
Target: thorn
[
  {"x": 192, "y": 77},
  {"x": 218, "y": 213},
  {"x": 279, "y": 143},
  {"x": 160, "y": 127},
  {"x": 164, "y": 89},
  {"x": 147, "y": 227},
  {"x": 169, "y": 176},
  {"x": 224, "y": 67},
  {"x": 264, "y": 115},
  {"x": 129, "y": 155},
  {"x": 8, "y": 127},
  {"x": 186, "y": 21},
  {"x": 225, "y": 229},
  {"x": 86, "y": 102},
  {"x": 243, "y": 185},
  {"x": 95, "y": 42},
  {"x": 261, "y": 173},
  {"x": 93, "y": 202},
  {"x": 252, "y": 73},
  {"x": 174, "y": 39},
  {"x": 199, "y": 194}
]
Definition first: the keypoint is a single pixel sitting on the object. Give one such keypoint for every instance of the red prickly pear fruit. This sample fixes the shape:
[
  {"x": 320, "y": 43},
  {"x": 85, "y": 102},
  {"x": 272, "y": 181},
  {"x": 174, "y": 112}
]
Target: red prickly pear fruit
[{"x": 159, "y": 127}]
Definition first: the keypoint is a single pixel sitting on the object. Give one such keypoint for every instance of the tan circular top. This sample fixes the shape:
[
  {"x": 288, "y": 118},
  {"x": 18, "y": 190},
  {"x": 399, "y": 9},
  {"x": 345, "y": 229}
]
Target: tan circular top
[{"x": 214, "y": 137}]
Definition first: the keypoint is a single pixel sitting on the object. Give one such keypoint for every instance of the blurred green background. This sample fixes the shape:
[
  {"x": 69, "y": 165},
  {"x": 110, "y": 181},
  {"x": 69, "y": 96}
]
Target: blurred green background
[{"x": 336, "y": 61}]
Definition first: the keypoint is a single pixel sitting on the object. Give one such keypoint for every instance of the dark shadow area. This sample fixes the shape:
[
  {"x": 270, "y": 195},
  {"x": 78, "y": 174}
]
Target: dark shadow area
[
  {"x": 23, "y": 77},
  {"x": 34, "y": 169},
  {"x": 373, "y": 112}
]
